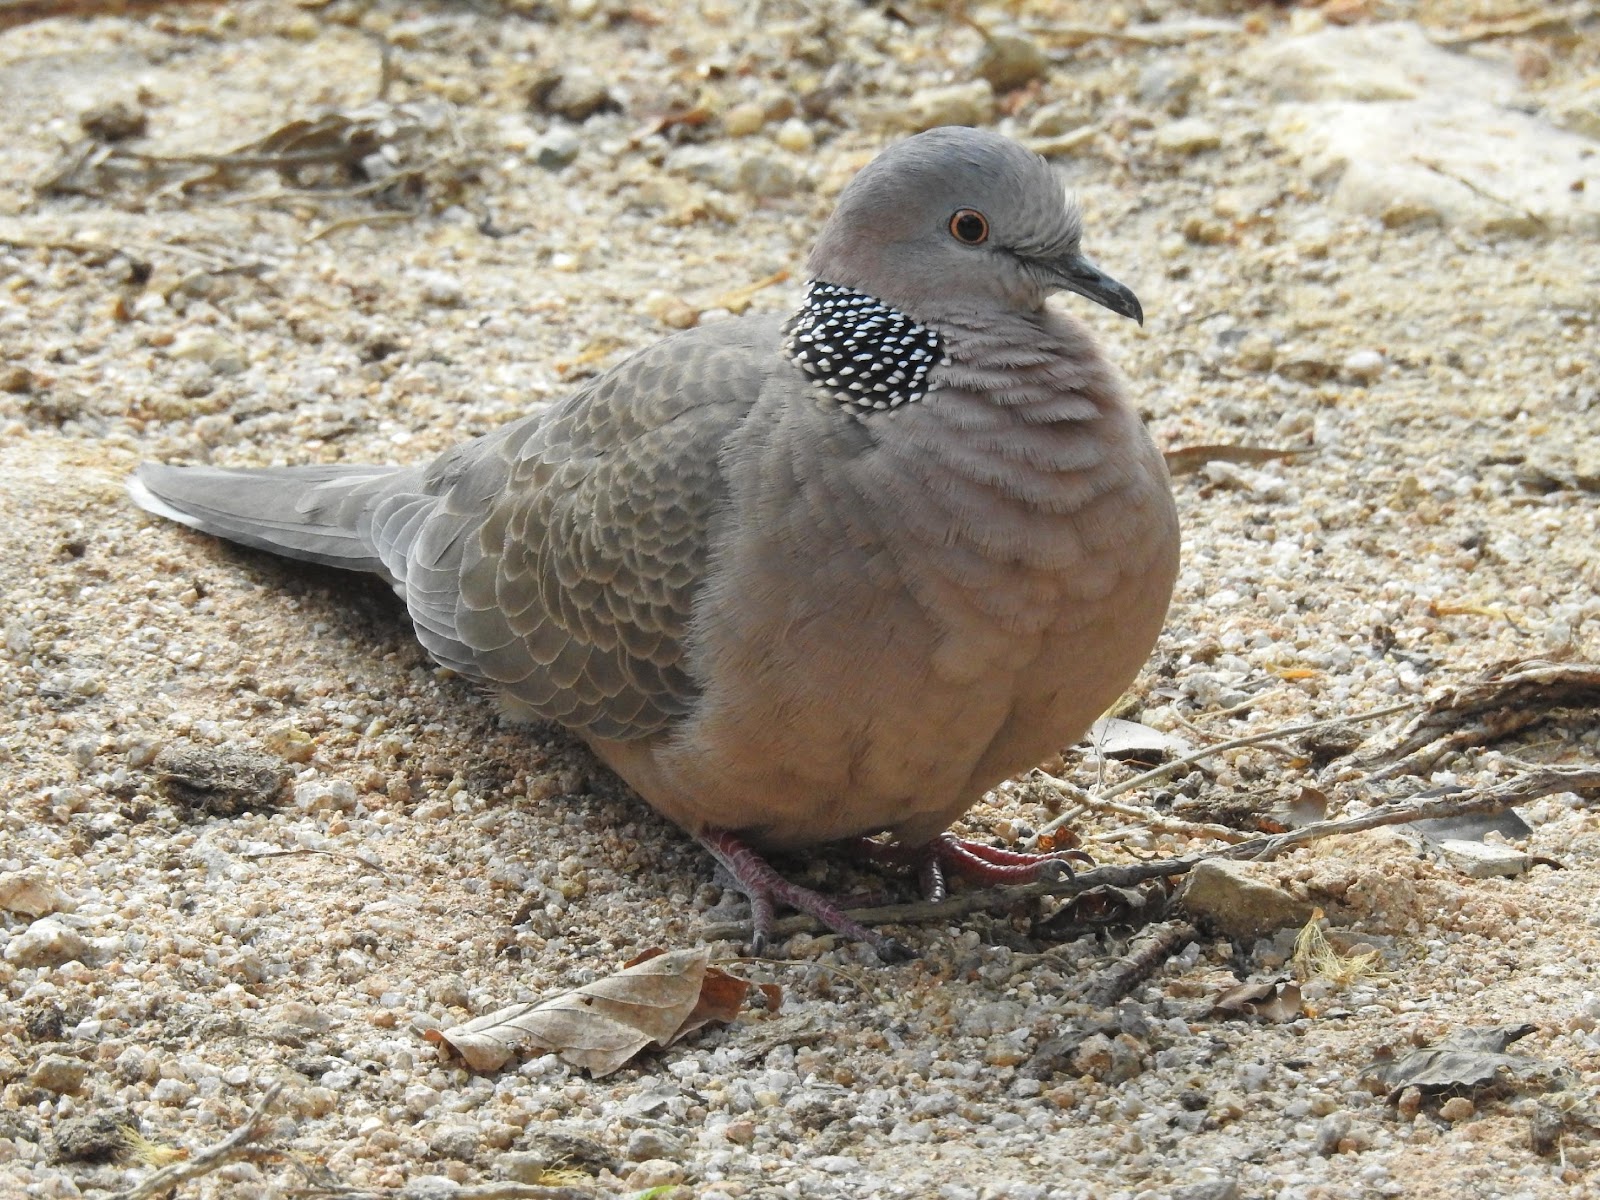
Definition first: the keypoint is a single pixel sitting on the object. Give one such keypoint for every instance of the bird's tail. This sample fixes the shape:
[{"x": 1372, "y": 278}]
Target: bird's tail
[{"x": 315, "y": 513}]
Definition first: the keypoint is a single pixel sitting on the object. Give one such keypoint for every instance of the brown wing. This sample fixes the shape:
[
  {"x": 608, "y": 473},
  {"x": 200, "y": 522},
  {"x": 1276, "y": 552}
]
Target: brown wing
[{"x": 559, "y": 557}]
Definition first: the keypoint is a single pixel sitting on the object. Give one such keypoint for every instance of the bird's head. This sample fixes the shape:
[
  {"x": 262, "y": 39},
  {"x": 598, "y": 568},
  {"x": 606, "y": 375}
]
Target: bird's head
[{"x": 955, "y": 218}]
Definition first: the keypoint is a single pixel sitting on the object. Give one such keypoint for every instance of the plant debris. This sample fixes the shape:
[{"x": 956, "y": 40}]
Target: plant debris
[
  {"x": 1188, "y": 459},
  {"x": 1506, "y": 700},
  {"x": 1276, "y": 1000},
  {"x": 219, "y": 781},
  {"x": 1465, "y": 1062},
  {"x": 1317, "y": 958},
  {"x": 383, "y": 151},
  {"x": 655, "y": 1000}
]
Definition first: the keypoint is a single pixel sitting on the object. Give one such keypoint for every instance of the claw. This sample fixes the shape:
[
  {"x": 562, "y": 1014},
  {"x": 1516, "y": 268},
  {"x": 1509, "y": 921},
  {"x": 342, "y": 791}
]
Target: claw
[
  {"x": 934, "y": 862},
  {"x": 755, "y": 877},
  {"x": 947, "y": 854}
]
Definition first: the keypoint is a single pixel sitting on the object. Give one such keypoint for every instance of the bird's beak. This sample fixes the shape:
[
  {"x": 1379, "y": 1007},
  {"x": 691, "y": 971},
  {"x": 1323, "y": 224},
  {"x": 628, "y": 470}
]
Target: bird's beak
[{"x": 1075, "y": 273}]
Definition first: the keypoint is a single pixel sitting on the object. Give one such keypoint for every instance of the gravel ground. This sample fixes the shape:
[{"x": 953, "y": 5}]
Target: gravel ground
[{"x": 556, "y": 186}]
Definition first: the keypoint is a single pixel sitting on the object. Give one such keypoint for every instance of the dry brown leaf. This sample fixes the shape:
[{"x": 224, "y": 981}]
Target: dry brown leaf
[
  {"x": 1276, "y": 1000},
  {"x": 655, "y": 1000},
  {"x": 1464, "y": 1062}
]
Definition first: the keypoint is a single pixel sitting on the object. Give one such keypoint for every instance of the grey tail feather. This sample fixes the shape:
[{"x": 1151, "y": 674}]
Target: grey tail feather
[{"x": 311, "y": 513}]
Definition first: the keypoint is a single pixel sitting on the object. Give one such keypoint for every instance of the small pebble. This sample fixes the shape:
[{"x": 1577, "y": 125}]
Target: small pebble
[
  {"x": 576, "y": 94},
  {"x": 795, "y": 136},
  {"x": 1331, "y": 1131},
  {"x": 655, "y": 1173},
  {"x": 1231, "y": 898},
  {"x": 523, "y": 1166},
  {"x": 1363, "y": 365},
  {"x": 556, "y": 149},
  {"x": 1191, "y": 135},
  {"x": 646, "y": 1144},
  {"x": 1167, "y": 86},
  {"x": 1010, "y": 59},
  {"x": 441, "y": 289},
  {"x": 209, "y": 347},
  {"x": 1457, "y": 1108},
  {"x": 172, "y": 1092},
  {"x": 92, "y": 1139},
  {"x": 672, "y": 311},
  {"x": 113, "y": 121},
  {"x": 1255, "y": 352},
  {"x": 744, "y": 119},
  {"x": 30, "y": 894},
  {"x": 59, "y": 1074},
  {"x": 47, "y": 942},
  {"x": 1409, "y": 1102},
  {"x": 766, "y": 177},
  {"x": 17, "y": 379},
  {"x": 1058, "y": 118},
  {"x": 955, "y": 104}
]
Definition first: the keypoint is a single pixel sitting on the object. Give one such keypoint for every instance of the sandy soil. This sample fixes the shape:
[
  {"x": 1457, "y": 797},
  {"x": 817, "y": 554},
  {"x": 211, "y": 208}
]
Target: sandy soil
[{"x": 1445, "y": 380}]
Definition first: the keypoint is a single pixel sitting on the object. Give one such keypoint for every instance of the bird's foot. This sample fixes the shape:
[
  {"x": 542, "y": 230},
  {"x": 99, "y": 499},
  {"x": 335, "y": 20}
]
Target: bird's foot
[
  {"x": 756, "y": 878},
  {"x": 975, "y": 862}
]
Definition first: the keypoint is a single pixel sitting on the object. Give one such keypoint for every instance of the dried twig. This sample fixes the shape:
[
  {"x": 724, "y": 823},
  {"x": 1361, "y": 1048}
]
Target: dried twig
[
  {"x": 360, "y": 219},
  {"x": 377, "y": 139},
  {"x": 1143, "y": 961},
  {"x": 1149, "y": 822},
  {"x": 1488, "y": 709},
  {"x": 1489, "y": 799},
  {"x": 21, "y": 12},
  {"x": 477, "y": 1191},
  {"x": 1065, "y": 143},
  {"x": 295, "y": 853},
  {"x": 1072, "y": 36},
  {"x": 1527, "y": 25},
  {"x": 203, "y": 1162},
  {"x": 1171, "y": 768},
  {"x": 1187, "y": 459}
]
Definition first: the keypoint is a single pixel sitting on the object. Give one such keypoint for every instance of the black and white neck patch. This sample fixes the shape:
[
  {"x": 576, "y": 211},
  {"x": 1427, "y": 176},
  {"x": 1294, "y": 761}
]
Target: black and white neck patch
[{"x": 870, "y": 356}]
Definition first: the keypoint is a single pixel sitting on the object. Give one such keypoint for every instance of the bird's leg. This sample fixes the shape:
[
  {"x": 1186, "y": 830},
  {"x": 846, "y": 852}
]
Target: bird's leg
[
  {"x": 755, "y": 877},
  {"x": 973, "y": 861}
]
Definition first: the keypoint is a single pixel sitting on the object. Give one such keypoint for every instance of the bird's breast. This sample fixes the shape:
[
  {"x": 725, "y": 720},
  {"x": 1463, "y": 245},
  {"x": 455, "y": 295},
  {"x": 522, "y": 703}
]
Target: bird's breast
[{"x": 895, "y": 623}]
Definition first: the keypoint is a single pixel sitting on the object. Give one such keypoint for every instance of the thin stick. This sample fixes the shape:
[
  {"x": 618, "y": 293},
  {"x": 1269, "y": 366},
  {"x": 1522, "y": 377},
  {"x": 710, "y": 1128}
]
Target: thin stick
[
  {"x": 1491, "y": 799},
  {"x": 377, "y": 218},
  {"x": 1177, "y": 764},
  {"x": 20, "y": 12},
  {"x": 1128, "y": 972},
  {"x": 203, "y": 1162},
  {"x": 302, "y": 850},
  {"x": 1524, "y": 26},
  {"x": 476, "y": 1191},
  {"x": 1152, "y": 823}
]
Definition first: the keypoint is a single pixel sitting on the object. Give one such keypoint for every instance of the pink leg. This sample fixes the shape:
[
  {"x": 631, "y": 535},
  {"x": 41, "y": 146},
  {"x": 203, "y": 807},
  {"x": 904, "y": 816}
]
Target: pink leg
[{"x": 755, "y": 877}]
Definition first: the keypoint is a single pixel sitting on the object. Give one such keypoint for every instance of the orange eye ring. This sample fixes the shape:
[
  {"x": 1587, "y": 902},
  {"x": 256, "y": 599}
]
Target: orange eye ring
[{"x": 970, "y": 227}]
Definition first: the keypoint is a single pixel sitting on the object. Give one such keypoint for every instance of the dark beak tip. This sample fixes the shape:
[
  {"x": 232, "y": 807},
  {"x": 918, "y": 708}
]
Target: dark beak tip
[{"x": 1080, "y": 275}]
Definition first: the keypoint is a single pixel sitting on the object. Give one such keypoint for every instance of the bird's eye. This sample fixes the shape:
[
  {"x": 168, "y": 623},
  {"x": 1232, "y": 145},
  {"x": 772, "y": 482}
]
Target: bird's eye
[{"x": 970, "y": 226}]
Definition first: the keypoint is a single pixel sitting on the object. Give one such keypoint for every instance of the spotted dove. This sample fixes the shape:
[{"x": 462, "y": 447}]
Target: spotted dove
[{"x": 797, "y": 579}]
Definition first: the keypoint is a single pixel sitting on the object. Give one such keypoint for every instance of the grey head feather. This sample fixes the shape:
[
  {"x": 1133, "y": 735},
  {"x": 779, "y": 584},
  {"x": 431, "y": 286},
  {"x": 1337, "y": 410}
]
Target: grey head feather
[{"x": 891, "y": 234}]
